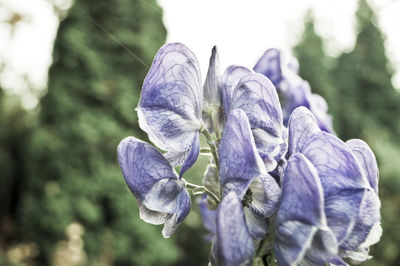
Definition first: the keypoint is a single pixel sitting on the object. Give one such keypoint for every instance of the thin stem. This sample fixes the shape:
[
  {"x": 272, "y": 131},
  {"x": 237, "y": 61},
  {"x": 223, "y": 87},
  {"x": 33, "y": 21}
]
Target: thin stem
[
  {"x": 210, "y": 143},
  {"x": 215, "y": 122},
  {"x": 206, "y": 190}
]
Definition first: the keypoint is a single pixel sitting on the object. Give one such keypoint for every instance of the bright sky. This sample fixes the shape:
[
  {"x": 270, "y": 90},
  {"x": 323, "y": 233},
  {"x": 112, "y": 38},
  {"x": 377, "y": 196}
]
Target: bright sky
[{"x": 242, "y": 30}]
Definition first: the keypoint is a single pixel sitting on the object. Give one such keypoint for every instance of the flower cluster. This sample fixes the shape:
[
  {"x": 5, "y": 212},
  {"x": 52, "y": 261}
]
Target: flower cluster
[{"x": 280, "y": 187}]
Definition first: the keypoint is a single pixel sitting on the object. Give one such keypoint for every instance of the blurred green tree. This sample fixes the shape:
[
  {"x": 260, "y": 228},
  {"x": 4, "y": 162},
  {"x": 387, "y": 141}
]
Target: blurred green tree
[
  {"x": 74, "y": 192},
  {"x": 364, "y": 105}
]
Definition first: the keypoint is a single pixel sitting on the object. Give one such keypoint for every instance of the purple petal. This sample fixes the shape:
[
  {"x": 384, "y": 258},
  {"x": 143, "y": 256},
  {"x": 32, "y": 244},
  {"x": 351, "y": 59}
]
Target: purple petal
[
  {"x": 342, "y": 179},
  {"x": 230, "y": 79},
  {"x": 265, "y": 194},
  {"x": 367, "y": 161},
  {"x": 270, "y": 65},
  {"x": 209, "y": 216},
  {"x": 257, "y": 97},
  {"x": 302, "y": 193},
  {"x": 335, "y": 163},
  {"x": 367, "y": 224},
  {"x": 170, "y": 104},
  {"x": 239, "y": 161},
  {"x": 212, "y": 94},
  {"x": 161, "y": 195},
  {"x": 301, "y": 125},
  {"x": 301, "y": 232},
  {"x": 234, "y": 245},
  {"x": 212, "y": 89},
  {"x": 192, "y": 156}
]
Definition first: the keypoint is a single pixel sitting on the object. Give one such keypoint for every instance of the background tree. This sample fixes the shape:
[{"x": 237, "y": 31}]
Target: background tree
[{"x": 74, "y": 193}]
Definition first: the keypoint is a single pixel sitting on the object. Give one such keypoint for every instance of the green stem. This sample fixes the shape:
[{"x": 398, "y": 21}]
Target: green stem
[
  {"x": 215, "y": 122},
  {"x": 206, "y": 190},
  {"x": 210, "y": 143}
]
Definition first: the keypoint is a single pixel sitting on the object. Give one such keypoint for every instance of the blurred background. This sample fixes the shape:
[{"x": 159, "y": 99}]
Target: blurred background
[{"x": 70, "y": 78}]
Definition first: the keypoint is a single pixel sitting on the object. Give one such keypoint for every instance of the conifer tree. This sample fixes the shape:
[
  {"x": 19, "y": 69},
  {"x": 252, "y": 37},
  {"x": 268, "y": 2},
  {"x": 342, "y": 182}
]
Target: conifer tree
[{"x": 74, "y": 188}]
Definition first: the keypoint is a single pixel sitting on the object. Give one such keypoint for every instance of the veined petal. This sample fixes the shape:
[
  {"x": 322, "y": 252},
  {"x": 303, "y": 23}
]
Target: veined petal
[
  {"x": 335, "y": 163},
  {"x": 265, "y": 195},
  {"x": 301, "y": 125},
  {"x": 230, "y": 79},
  {"x": 342, "y": 179},
  {"x": 367, "y": 161},
  {"x": 257, "y": 97},
  {"x": 270, "y": 65},
  {"x": 161, "y": 196},
  {"x": 302, "y": 193},
  {"x": 170, "y": 104},
  {"x": 234, "y": 245},
  {"x": 367, "y": 221},
  {"x": 302, "y": 235},
  {"x": 239, "y": 161}
]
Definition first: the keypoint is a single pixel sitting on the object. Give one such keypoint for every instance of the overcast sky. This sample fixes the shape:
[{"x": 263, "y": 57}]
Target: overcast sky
[{"x": 242, "y": 30}]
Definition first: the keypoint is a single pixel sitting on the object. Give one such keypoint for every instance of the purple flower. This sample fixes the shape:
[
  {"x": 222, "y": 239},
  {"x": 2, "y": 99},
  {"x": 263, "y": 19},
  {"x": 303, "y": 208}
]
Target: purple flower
[
  {"x": 170, "y": 104},
  {"x": 233, "y": 244},
  {"x": 161, "y": 194},
  {"x": 301, "y": 230},
  {"x": 351, "y": 205},
  {"x": 294, "y": 90},
  {"x": 243, "y": 171},
  {"x": 257, "y": 97}
]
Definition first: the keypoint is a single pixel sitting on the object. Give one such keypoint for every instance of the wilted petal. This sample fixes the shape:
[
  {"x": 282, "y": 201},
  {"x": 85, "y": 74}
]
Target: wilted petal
[
  {"x": 234, "y": 245},
  {"x": 257, "y": 97},
  {"x": 301, "y": 125},
  {"x": 161, "y": 195},
  {"x": 302, "y": 235},
  {"x": 367, "y": 161},
  {"x": 238, "y": 158},
  {"x": 230, "y": 79},
  {"x": 170, "y": 104}
]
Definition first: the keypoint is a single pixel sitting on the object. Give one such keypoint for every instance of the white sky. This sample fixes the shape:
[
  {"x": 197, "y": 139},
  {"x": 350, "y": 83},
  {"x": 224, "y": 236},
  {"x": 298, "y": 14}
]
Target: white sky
[{"x": 242, "y": 30}]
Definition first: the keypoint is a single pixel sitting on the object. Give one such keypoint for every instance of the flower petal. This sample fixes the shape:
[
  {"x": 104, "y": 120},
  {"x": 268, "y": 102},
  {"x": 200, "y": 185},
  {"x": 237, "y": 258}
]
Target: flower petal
[
  {"x": 367, "y": 161},
  {"x": 239, "y": 161},
  {"x": 301, "y": 125},
  {"x": 234, "y": 245},
  {"x": 257, "y": 97},
  {"x": 230, "y": 79},
  {"x": 302, "y": 193},
  {"x": 270, "y": 65},
  {"x": 335, "y": 163},
  {"x": 212, "y": 93},
  {"x": 300, "y": 225},
  {"x": 161, "y": 195},
  {"x": 368, "y": 220},
  {"x": 170, "y": 104},
  {"x": 342, "y": 179},
  {"x": 265, "y": 194}
]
